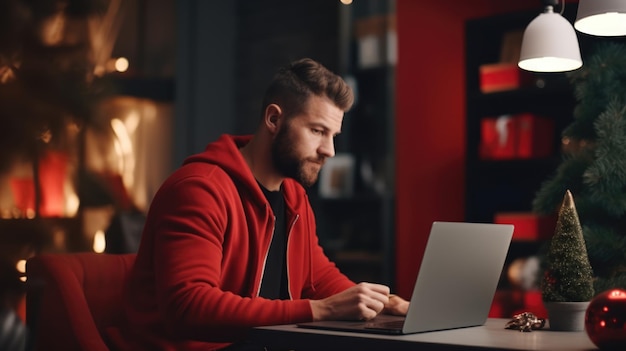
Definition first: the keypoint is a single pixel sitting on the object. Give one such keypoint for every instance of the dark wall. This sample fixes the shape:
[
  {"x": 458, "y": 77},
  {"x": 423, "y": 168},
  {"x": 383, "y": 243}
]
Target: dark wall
[
  {"x": 271, "y": 33},
  {"x": 205, "y": 65},
  {"x": 228, "y": 52}
]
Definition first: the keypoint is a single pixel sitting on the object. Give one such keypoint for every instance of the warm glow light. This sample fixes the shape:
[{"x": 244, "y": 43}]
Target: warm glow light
[
  {"x": 121, "y": 64},
  {"x": 607, "y": 24},
  {"x": 72, "y": 202},
  {"x": 99, "y": 70},
  {"x": 53, "y": 29},
  {"x": 21, "y": 266},
  {"x": 46, "y": 136},
  {"x": 117, "y": 146},
  {"x": 550, "y": 64},
  {"x": 7, "y": 74},
  {"x": 124, "y": 147},
  {"x": 605, "y": 18},
  {"x": 122, "y": 135},
  {"x": 346, "y": 2},
  {"x": 132, "y": 122},
  {"x": 30, "y": 213},
  {"x": 99, "y": 242}
]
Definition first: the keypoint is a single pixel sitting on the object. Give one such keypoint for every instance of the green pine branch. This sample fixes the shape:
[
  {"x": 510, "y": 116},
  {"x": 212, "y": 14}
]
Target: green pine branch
[{"x": 596, "y": 172}]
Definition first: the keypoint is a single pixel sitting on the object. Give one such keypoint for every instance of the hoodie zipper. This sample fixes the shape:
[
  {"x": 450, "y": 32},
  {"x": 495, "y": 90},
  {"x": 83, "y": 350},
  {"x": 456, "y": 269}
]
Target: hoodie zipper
[
  {"x": 293, "y": 223},
  {"x": 287, "y": 254}
]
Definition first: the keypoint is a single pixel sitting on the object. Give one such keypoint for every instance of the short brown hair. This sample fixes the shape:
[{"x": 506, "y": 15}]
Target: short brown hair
[{"x": 295, "y": 83}]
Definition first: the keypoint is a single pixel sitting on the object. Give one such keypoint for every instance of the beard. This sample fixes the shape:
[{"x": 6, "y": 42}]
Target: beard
[{"x": 288, "y": 163}]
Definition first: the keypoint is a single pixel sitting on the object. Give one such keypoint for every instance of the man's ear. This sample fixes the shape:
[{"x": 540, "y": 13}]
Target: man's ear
[{"x": 273, "y": 117}]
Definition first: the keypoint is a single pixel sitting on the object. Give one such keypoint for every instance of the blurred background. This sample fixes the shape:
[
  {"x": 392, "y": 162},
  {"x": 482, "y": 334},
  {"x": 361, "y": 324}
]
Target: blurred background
[{"x": 101, "y": 99}]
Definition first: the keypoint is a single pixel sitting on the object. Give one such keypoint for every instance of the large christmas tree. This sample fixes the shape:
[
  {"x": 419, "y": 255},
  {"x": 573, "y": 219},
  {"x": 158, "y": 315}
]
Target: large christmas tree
[
  {"x": 594, "y": 163},
  {"x": 46, "y": 73},
  {"x": 47, "y": 83}
]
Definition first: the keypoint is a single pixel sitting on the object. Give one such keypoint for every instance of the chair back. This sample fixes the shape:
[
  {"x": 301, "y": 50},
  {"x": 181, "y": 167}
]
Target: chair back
[{"x": 72, "y": 298}]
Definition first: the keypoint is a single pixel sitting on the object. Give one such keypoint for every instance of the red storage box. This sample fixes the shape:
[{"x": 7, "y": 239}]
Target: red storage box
[
  {"x": 528, "y": 226},
  {"x": 535, "y": 136},
  {"x": 497, "y": 137},
  {"x": 502, "y": 76},
  {"x": 519, "y": 136}
]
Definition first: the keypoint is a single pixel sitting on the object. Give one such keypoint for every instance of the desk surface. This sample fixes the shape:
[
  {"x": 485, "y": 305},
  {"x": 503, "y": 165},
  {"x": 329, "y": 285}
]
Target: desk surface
[{"x": 490, "y": 336}]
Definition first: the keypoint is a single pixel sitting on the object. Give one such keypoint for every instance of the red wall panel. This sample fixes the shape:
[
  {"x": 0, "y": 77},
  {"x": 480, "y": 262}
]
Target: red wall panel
[{"x": 430, "y": 120}]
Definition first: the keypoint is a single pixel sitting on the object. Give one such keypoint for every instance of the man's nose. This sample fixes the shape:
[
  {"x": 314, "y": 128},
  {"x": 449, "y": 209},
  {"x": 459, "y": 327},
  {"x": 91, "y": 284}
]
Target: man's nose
[{"x": 327, "y": 147}]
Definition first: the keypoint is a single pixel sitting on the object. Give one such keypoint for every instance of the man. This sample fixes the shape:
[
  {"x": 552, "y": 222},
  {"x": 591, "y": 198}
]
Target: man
[{"x": 230, "y": 240}]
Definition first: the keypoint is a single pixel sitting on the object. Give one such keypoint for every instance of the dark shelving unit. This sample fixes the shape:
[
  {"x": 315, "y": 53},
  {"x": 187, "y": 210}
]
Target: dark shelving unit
[{"x": 509, "y": 185}]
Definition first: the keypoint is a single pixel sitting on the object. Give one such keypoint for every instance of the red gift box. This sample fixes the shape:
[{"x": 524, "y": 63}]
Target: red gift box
[
  {"x": 535, "y": 136},
  {"x": 528, "y": 226},
  {"x": 52, "y": 173},
  {"x": 497, "y": 137},
  {"x": 522, "y": 136},
  {"x": 502, "y": 76}
]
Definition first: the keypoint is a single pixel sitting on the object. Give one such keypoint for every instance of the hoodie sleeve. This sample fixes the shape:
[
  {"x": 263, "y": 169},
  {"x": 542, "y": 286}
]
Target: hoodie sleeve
[
  {"x": 326, "y": 279},
  {"x": 200, "y": 281}
]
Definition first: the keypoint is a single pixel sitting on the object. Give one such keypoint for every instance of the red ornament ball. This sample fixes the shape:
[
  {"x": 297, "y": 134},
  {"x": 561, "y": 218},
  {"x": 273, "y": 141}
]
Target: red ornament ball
[{"x": 605, "y": 320}]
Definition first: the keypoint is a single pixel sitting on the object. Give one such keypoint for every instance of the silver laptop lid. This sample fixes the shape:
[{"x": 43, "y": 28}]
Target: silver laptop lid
[{"x": 458, "y": 276}]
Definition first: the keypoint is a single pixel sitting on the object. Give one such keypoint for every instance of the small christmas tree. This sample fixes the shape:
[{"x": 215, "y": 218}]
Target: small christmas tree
[
  {"x": 568, "y": 276},
  {"x": 594, "y": 164}
]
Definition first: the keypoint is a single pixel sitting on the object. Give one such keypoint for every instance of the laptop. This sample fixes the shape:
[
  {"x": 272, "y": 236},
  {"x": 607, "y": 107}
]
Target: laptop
[{"x": 457, "y": 280}]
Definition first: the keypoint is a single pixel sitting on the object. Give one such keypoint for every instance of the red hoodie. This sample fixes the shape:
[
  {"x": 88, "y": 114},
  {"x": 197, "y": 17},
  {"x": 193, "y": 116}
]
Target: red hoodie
[{"x": 196, "y": 280}]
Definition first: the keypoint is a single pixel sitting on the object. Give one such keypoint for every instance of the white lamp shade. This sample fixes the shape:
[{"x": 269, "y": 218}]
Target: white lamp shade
[
  {"x": 550, "y": 44},
  {"x": 601, "y": 17}
]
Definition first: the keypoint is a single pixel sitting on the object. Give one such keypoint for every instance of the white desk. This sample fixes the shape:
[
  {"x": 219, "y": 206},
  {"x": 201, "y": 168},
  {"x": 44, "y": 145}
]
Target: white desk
[{"x": 491, "y": 336}]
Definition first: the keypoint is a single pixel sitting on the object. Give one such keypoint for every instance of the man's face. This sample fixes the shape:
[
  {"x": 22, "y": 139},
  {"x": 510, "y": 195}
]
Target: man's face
[{"x": 303, "y": 142}]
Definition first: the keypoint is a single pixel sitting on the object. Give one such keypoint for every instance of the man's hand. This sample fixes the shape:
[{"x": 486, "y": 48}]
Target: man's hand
[
  {"x": 396, "y": 306},
  {"x": 363, "y": 301}
]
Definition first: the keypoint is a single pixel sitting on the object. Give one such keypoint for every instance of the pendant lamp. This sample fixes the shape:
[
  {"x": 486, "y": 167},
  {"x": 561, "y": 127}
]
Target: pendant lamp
[
  {"x": 550, "y": 44},
  {"x": 601, "y": 17}
]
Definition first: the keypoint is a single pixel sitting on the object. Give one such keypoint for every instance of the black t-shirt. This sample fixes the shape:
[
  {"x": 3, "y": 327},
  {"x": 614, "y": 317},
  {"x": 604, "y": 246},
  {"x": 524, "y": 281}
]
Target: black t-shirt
[{"x": 274, "y": 283}]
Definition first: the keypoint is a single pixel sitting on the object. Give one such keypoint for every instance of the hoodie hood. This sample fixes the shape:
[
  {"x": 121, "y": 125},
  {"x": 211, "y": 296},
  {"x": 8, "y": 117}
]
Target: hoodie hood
[{"x": 225, "y": 154}]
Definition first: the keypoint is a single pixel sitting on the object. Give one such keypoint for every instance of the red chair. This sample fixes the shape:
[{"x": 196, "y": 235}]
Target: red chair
[{"x": 72, "y": 298}]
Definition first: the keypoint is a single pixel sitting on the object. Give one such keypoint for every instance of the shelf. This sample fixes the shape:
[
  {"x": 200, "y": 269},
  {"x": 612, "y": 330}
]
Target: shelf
[
  {"x": 510, "y": 185},
  {"x": 517, "y": 163},
  {"x": 526, "y": 99},
  {"x": 507, "y": 185}
]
